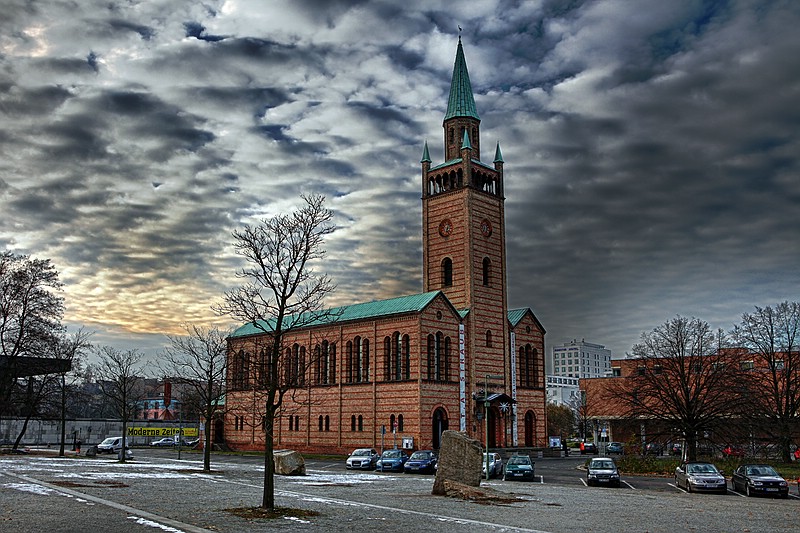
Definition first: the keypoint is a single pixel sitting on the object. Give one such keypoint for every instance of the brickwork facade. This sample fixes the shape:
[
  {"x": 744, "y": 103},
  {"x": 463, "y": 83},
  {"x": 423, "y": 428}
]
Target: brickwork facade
[{"x": 405, "y": 378}]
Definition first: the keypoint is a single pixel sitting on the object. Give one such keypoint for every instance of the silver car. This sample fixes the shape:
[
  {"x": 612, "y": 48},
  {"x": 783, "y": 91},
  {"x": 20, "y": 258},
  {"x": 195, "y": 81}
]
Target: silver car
[
  {"x": 700, "y": 477},
  {"x": 362, "y": 459},
  {"x": 495, "y": 465}
]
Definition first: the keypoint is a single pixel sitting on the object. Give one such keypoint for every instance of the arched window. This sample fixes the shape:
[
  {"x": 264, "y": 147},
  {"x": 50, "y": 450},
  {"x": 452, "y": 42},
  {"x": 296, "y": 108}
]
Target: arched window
[
  {"x": 487, "y": 270},
  {"x": 529, "y": 374},
  {"x": 387, "y": 358},
  {"x": 350, "y": 363},
  {"x": 399, "y": 422},
  {"x": 447, "y": 272},
  {"x": 327, "y": 423},
  {"x": 488, "y": 338},
  {"x": 406, "y": 357},
  {"x": 353, "y": 423},
  {"x": 320, "y": 422},
  {"x": 391, "y": 423},
  {"x": 360, "y": 423},
  {"x": 438, "y": 356}
]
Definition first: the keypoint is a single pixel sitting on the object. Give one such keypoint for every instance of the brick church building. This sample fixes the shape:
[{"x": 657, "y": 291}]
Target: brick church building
[{"x": 403, "y": 370}]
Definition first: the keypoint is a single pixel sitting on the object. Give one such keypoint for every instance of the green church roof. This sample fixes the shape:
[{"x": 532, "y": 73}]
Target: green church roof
[
  {"x": 461, "y": 102},
  {"x": 394, "y": 306}
]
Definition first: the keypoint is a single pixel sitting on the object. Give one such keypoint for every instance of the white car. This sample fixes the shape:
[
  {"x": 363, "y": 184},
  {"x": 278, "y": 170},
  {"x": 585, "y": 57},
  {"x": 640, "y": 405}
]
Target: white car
[
  {"x": 114, "y": 445},
  {"x": 495, "y": 465}
]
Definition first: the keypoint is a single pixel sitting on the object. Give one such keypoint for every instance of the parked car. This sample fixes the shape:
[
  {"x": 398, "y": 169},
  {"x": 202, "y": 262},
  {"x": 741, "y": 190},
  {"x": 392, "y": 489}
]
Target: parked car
[
  {"x": 754, "y": 480},
  {"x": 421, "y": 461},
  {"x": 653, "y": 448},
  {"x": 615, "y": 447},
  {"x": 114, "y": 445},
  {"x": 495, "y": 465},
  {"x": 700, "y": 477},
  {"x": 602, "y": 471},
  {"x": 392, "y": 461},
  {"x": 676, "y": 448},
  {"x": 589, "y": 448},
  {"x": 166, "y": 441},
  {"x": 519, "y": 467},
  {"x": 362, "y": 459},
  {"x": 733, "y": 451}
]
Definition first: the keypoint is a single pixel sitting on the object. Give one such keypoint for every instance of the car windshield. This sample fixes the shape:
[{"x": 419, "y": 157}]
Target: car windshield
[
  {"x": 761, "y": 470},
  {"x": 361, "y": 452},
  {"x": 109, "y": 440},
  {"x": 419, "y": 456},
  {"x": 392, "y": 454},
  {"x": 701, "y": 469},
  {"x": 602, "y": 465},
  {"x": 519, "y": 460}
]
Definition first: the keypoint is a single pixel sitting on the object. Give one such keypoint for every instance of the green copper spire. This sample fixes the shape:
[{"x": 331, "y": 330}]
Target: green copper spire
[
  {"x": 426, "y": 157},
  {"x": 465, "y": 142},
  {"x": 498, "y": 157},
  {"x": 461, "y": 102}
]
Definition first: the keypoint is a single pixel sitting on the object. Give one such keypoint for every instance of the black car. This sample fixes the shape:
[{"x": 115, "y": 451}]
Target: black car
[
  {"x": 589, "y": 447},
  {"x": 759, "y": 480},
  {"x": 519, "y": 467}
]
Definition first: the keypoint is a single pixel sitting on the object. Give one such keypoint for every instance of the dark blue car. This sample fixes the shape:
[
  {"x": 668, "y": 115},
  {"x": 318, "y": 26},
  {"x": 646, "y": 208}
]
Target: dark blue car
[
  {"x": 421, "y": 462},
  {"x": 392, "y": 461}
]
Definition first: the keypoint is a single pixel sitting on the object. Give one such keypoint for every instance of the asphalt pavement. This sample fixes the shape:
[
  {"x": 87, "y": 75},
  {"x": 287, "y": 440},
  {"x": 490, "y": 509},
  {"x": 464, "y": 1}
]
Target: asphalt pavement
[{"x": 158, "y": 491}]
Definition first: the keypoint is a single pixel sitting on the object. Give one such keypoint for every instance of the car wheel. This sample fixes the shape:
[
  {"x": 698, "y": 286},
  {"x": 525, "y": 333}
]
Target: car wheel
[
  {"x": 747, "y": 490},
  {"x": 688, "y": 486}
]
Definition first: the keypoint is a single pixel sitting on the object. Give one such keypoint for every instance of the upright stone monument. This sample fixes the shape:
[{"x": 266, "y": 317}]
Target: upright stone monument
[{"x": 459, "y": 462}]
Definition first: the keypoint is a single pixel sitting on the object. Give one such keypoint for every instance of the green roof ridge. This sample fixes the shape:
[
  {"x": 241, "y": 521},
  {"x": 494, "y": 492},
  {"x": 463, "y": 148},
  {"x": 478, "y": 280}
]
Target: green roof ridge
[
  {"x": 461, "y": 102},
  {"x": 403, "y": 304}
]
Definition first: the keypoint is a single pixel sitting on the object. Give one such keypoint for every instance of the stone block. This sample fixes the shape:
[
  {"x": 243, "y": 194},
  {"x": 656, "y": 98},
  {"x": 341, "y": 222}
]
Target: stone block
[{"x": 459, "y": 461}]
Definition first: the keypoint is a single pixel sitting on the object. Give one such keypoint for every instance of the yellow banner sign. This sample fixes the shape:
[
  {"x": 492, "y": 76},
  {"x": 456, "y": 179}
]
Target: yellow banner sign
[{"x": 161, "y": 432}]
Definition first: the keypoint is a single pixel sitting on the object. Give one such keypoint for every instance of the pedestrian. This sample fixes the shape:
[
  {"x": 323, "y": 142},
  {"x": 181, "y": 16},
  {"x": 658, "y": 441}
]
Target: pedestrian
[{"x": 78, "y": 447}]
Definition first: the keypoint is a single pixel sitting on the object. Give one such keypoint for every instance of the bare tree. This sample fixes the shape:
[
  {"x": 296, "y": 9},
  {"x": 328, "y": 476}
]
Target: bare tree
[
  {"x": 560, "y": 420},
  {"x": 684, "y": 381},
  {"x": 30, "y": 315},
  {"x": 198, "y": 362},
  {"x": 72, "y": 348},
  {"x": 118, "y": 375},
  {"x": 282, "y": 293},
  {"x": 771, "y": 336}
]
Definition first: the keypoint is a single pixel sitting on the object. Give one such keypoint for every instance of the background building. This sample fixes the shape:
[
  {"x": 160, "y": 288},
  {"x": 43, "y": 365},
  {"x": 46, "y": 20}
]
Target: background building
[{"x": 579, "y": 359}]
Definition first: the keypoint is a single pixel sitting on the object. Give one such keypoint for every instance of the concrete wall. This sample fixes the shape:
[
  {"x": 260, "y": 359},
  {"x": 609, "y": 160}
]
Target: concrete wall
[{"x": 89, "y": 431}]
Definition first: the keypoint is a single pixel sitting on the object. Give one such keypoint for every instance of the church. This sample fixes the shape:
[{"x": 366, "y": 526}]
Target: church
[{"x": 399, "y": 372}]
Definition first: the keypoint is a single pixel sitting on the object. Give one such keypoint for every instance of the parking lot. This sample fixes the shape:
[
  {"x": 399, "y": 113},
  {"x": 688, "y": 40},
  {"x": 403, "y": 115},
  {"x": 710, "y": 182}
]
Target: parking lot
[{"x": 157, "y": 490}]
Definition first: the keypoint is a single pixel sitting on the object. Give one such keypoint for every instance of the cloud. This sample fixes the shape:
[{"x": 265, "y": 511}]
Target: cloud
[{"x": 650, "y": 151}]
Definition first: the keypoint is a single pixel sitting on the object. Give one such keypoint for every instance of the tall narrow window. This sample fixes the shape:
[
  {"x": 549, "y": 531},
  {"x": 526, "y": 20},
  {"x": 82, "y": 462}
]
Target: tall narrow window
[
  {"x": 327, "y": 423},
  {"x": 353, "y": 423},
  {"x": 406, "y": 357},
  {"x": 360, "y": 423},
  {"x": 447, "y": 272},
  {"x": 399, "y": 422},
  {"x": 487, "y": 270},
  {"x": 320, "y": 422},
  {"x": 488, "y": 339},
  {"x": 387, "y": 358}
]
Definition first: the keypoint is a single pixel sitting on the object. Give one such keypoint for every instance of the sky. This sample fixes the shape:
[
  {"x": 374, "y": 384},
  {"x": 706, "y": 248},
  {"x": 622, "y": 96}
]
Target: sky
[{"x": 651, "y": 150}]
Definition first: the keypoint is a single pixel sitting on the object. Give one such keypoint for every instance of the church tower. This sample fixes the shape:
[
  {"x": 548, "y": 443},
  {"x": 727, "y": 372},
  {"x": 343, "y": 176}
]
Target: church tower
[{"x": 464, "y": 234}]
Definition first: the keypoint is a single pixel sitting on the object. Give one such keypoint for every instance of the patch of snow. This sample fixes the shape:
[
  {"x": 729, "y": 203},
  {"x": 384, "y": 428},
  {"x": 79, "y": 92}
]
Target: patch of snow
[
  {"x": 30, "y": 487},
  {"x": 150, "y": 523}
]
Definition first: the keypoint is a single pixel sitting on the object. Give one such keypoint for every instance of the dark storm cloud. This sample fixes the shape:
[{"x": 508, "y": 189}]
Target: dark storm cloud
[{"x": 651, "y": 150}]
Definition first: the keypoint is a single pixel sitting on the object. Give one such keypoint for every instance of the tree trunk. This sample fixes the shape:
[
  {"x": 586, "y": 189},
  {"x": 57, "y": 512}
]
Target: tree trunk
[
  {"x": 63, "y": 417},
  {"x": 268, "y": 500}
]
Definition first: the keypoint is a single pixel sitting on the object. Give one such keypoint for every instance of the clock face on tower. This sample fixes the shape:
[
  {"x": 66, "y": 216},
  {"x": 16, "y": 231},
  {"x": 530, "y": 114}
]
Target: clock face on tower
[
  {"x": 486, "y": 228},
  {"x": 445, "y": 227}
]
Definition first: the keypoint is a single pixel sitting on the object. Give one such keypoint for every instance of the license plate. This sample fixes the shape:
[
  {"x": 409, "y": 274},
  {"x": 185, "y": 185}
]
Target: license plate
[
  {"x": 772, "y": 490},
  {"x": 602, "y": 480}
]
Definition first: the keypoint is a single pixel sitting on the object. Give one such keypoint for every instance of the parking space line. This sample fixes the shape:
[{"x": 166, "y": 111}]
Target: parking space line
[
  {"x": 629, "y": 485},
  {"x": 583, "y": 481}
]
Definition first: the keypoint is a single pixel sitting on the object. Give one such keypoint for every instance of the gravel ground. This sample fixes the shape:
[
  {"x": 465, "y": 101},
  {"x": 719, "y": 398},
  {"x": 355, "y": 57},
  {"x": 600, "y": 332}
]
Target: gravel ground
[{"x": 76, "y": 494}]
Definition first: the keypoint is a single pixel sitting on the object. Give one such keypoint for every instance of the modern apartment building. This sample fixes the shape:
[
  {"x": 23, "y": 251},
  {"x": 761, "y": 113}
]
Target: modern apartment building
[{"x": 579, "y": 359}]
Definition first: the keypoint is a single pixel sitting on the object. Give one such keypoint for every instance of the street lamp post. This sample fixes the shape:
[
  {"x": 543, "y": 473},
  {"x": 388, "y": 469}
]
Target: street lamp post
[{"x": 486, "y": 379}]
